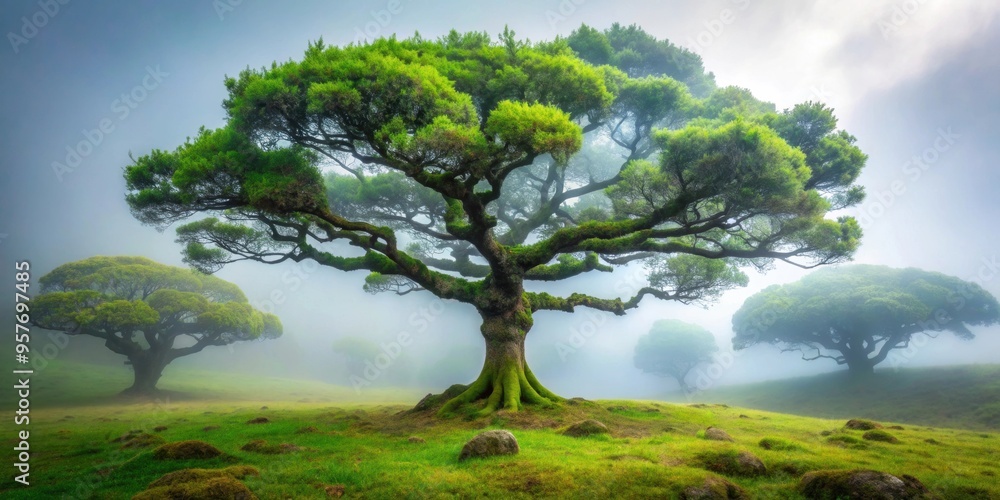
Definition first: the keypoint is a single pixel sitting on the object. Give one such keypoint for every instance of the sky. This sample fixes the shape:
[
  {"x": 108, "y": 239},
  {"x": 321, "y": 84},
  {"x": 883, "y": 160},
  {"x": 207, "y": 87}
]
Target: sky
[{"x": 916, "y": 81}]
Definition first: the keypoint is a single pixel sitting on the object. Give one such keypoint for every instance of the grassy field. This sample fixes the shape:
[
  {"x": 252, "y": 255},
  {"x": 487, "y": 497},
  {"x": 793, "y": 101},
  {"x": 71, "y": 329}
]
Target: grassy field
[
  {"x": 322, "y": 446},
  {"x": 966, "y": 397}
]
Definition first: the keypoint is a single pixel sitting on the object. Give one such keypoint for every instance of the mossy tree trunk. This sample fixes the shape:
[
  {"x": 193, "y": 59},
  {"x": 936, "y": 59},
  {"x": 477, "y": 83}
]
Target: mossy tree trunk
[{"x": 506, "y": 382}]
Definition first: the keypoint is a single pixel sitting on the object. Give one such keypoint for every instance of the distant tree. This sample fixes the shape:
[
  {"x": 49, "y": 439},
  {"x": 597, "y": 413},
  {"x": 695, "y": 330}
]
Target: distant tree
[
  {"x": 453, "y": 167},
  {"x": 673, "y": 348},
  {"x": 856, "y": 315},
  {"x": 148, "y": 312}
]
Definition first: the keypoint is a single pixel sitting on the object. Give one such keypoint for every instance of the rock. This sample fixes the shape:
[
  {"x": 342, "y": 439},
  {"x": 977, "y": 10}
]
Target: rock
[
  {"x": 714, "y": 488},
  {"x": 586, "y": 428},
  {"x": 434, "y": 401},
  {"x": 879, "y": 435},
  {"x": 717, "y": 434},
  {"x": 415, "y": 439},
  {"x": 258, "y": 420},
  {"x": 733, "y": 463},
  {"x": 862, "y": 425},
  {"x": 159, "y": 428},
  {"x": 183, "y": 450},
  {"x": 860, "y": 484},
  {"x": 490, "y": 443}
]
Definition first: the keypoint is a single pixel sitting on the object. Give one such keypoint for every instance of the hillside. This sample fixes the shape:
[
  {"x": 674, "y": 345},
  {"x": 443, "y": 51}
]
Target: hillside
[{"x": 960, "y": 396}]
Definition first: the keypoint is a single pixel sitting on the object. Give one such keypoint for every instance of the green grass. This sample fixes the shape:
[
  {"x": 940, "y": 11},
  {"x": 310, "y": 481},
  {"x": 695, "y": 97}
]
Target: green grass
[
  {"x": 965, "y": 397},
  {"x": 653, "y": 448}
]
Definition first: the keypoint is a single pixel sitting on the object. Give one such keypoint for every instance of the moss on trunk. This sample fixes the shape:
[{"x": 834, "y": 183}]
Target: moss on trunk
[{"x": 506, "y": 382}]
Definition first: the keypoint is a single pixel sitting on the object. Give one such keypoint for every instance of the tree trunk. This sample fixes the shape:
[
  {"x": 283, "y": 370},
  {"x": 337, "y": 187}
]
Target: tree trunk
[
  {"x": 148, "y": 368},
  {"x": 861, "y": 368},
  {"x": 505, "y": 382}
]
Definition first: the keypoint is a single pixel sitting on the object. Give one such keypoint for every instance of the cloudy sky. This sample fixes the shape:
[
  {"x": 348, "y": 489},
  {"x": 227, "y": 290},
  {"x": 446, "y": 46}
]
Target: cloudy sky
[{"x": 915, "y": 81}]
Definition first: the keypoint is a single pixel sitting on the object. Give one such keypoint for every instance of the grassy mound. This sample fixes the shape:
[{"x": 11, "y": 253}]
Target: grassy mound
[{"x": 186, "y": 450}]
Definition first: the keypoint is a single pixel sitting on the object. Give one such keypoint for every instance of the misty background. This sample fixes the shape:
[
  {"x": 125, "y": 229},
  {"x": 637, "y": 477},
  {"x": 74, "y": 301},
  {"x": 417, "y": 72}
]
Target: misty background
[{"x": 908, "y": 78}]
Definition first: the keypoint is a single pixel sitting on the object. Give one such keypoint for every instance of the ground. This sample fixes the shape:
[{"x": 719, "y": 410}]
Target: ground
[{"x": 326, "y": 447}]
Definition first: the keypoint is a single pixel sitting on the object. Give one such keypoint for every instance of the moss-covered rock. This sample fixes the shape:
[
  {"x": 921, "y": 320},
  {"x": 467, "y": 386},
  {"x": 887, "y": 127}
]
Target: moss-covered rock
[
  {"x": 186, "y": 450},
  {"x": 733, "y": 463},
  {"x": 860, "y": 484},
  {"x": 717, "y": 434},
  {"x": 201, "y": 475},
  {"x": 586, "y": 428},
  {"x": 490, "y": 443},
  {"x": 216, "y": 488},
  {"x": 858, "y": 424},
  {"x": 714, "y": 488}
]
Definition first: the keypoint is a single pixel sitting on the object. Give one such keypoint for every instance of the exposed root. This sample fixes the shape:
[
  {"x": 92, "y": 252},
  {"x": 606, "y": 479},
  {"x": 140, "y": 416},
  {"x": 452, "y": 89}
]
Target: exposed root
[{"x": 508, "y": 387}]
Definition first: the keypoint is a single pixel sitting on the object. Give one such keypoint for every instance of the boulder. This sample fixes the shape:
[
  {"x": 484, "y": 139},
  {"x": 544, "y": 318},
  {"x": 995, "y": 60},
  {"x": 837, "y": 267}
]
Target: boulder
[
  {"x": 490, "y": 443},
  {"x": 586, "y": 428},
  {"x": 860, "y": 484}
]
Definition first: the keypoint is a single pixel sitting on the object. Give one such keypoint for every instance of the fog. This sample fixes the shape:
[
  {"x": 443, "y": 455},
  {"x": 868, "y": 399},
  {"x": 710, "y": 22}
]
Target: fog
[{"x": 914, "y": 81}]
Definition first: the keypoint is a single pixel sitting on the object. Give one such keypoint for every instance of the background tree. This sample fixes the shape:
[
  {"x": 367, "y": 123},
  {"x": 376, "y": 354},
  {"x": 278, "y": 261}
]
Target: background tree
[
  {"x": 856, "y": 315},
  {"x": 673, "y": 348},
  {"x": 455, "y": 167},
  {"x": 148, "y": 312}
]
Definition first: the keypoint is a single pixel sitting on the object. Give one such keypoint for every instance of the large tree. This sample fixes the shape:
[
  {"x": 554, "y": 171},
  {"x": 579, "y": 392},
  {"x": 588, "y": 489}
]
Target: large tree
[
  {"x": 672, "y": 348},
  {"x": 467, "y": 167},
  {"x": 856, "y": 315},
  {"x": 148, "y": 312}
]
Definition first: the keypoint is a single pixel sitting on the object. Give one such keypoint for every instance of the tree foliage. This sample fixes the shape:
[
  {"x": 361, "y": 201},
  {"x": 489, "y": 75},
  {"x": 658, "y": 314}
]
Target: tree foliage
[
  {"x": 149, "y": 312},
  {"x": 467, "y": 166},
  {"x": 673, "y": 348},
  {"x": 856, "y": 315}
]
